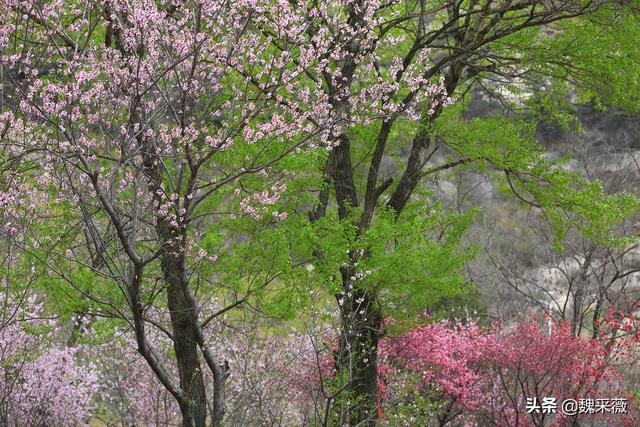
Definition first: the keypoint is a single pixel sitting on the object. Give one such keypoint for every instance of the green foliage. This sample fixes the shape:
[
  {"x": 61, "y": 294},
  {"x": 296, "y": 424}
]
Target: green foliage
[
  {"x": 566, "y": 198},
  {"x": 605, "y": 58},
  {"x": 596, "y": 56},
  {"x": 461, "y": 305},
  {"x": 551, "y": 106},
  {"x": 263, "y": 261},
  {"x": 417, "y": 260},
  {"x": 413, "y": 262}
]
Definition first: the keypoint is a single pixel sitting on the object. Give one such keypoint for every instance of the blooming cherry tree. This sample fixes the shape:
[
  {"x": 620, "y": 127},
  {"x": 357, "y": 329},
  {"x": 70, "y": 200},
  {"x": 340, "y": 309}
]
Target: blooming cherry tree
[{"x": 126, "y": 116}]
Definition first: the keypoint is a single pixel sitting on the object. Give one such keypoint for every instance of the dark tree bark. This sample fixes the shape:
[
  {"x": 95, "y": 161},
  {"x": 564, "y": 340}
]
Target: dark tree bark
[
  {"x": 183, "y": 316},
  {"x": 182, "y": 309},
  {"x": 357, "y": 357}
]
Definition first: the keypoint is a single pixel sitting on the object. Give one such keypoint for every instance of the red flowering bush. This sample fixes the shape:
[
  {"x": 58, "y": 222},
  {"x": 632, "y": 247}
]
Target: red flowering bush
[
  {"x": 444, "y": 358},
  {"x": 448, "y": 371}
]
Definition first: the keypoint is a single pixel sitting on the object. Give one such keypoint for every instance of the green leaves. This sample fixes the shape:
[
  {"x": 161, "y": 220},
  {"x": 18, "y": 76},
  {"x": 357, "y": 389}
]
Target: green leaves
[
  {"x": 417, "y": 260},
  {"x": 506, "y": 150},
  {"x": 411, "y": 262},
  {"x": 597, "y": 55}
]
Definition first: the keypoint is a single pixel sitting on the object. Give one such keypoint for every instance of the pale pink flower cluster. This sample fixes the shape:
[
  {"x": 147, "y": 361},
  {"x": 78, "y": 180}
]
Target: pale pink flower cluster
[
  {"x": 173, "y": 94},
  {"x": 273, "y": 378},
  {"x": 17, "y": 203},
  {"x": 54, "y": 389},
  {"x": 258, "y": 204},
  {"x": 128, "y": 389},
  {"x": 41, "y": 384}
]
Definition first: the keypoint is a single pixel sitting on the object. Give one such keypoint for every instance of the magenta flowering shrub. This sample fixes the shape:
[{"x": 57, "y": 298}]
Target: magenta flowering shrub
[
  {"x": 465, "y": 374},
  {"x": 446, "y": 354},
  {"x": 530, "y": 363}
]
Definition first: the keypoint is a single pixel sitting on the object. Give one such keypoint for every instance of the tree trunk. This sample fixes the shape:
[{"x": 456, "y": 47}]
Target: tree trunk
[
  {"x": 182, "y": 309},
  {"x": 356, "y": 360},
  {"x": 578, "y": 303},
  {"x": 183, "y": 316},
  {"x": 595, "y": 322}
]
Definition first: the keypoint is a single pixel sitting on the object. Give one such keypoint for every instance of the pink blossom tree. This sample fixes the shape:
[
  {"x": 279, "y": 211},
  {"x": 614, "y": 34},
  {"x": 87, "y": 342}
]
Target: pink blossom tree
[
  {"x": 128, "y": 392},
  {"x": 135, "y": 116},
  {"x": 129, "y": 118}
]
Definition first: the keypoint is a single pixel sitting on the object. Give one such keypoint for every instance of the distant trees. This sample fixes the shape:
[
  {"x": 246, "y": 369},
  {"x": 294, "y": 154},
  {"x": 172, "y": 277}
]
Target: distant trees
[{"x": 581, "y": 283}]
